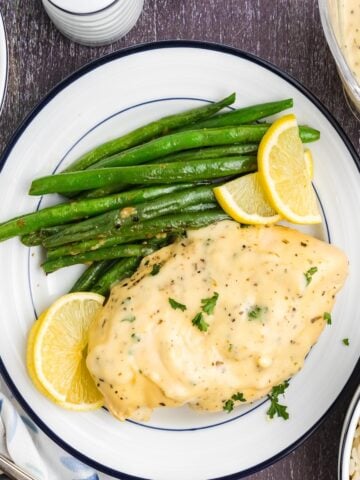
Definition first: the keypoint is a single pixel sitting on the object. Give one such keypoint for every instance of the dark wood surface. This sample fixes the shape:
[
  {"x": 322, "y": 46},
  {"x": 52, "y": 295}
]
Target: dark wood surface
[{"x": 286, "y": 32}]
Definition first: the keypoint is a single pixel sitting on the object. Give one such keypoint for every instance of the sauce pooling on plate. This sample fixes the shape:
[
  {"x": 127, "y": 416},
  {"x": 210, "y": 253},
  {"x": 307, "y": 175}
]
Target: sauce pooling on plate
[{"x": 226, "y": 311}]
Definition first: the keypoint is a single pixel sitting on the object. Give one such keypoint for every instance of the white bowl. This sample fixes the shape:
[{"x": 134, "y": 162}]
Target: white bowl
[
  {"x": 330, "y": 22},
  {"x": 347, "y": 436},
  {"x": 83, "y": 7},
  {"x": 79, "y": 21}
]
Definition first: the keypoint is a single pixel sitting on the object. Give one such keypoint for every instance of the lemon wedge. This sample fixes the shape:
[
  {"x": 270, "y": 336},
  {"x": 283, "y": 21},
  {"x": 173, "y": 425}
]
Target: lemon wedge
[
  {"x": 245, "y": 201},
  {"x": 57, "y": 349},
  {"x": 284, "y": 174},
  {"x": 30, "y": 355},
  {"x": 309, "y": 162}
]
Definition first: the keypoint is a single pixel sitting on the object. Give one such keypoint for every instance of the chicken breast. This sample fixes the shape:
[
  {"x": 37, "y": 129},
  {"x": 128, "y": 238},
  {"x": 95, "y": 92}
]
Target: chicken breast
[{"x": 227, "y": 310}]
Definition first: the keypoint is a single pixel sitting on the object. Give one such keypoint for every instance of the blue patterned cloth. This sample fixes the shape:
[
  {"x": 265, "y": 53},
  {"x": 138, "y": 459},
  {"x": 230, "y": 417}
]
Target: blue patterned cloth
[{"x": 31, "y": 449}]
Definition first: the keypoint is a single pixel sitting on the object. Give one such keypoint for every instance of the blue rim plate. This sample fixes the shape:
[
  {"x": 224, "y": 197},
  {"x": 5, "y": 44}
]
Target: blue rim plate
[{"x": 115, "y": 94}]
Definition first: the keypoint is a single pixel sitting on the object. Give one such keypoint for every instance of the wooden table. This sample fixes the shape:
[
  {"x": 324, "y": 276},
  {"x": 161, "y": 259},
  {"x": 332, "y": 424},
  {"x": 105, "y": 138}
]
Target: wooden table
[{"x": 285, "y": 32}]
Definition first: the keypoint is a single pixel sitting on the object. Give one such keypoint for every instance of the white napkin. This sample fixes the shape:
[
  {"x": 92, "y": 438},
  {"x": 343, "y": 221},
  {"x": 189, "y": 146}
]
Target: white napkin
[{"x": 31, "y": 449}]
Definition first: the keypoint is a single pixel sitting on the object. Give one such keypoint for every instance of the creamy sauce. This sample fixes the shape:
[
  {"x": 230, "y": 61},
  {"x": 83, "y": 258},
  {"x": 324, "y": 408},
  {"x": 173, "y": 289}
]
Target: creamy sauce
[
  {"x": 348, "y": 33},
  {"x": 143, "y": 353}
]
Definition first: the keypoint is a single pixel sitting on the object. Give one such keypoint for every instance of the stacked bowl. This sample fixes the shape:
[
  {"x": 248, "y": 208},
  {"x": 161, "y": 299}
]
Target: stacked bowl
[{"x": 94, "y": 22}]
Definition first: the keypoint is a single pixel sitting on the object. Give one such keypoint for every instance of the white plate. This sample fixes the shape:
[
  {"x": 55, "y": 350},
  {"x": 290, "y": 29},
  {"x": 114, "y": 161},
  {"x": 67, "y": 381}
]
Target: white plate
[
  {"x": 3, "y": 62},
  {"x": 114, "y": 95}
]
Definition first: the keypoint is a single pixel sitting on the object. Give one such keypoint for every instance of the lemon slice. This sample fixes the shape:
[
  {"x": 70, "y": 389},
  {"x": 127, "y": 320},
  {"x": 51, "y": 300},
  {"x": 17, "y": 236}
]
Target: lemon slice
[
  {"x": 284, "y": 174},
  {"x": 309, "y": 162},
  {"x": 30, "y": 355},
  {"x": 57, "y": 350},
  {"x": 245, "y": 201}
]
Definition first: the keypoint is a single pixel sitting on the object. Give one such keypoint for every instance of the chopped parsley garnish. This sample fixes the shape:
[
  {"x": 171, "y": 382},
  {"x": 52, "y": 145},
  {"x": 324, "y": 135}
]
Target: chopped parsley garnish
[
  {"x": 176, "y": 305},
  {"x": 130, "y": 319},
  {"x": 199, "y": 322},
  {"x": 346, "y": 341},
  {"x": 275, "y": 407},
  {"x": 256, "y": 312},
  {"x": 229, "y": 404},
  {"x": 309, "y": 274},
  {"x": 327, "y": 317},
  {"x": 155, "y": 269},
  {"x": 239, "y": 397},
  {"x": 208, "y": 304}
]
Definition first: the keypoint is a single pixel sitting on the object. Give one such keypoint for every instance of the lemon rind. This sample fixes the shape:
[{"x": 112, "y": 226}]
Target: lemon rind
[
  {"x": 267, "y": 143},
  {"x": 229, "y": 205},
  {"x": 40, "y": 379}
]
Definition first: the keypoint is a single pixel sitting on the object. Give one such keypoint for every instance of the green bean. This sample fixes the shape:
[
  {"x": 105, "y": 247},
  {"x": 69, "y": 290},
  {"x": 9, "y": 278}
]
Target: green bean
[
  {"x": 201, "y": 207},
  {"x": 149, "y": 131},
  {"x": 102, "y": 192},
  {"x": 66, "y": 212},
  {"x": 308, "y": 134},
  {"x": 194, "y": 154},
  {"x": 105, "y": 191},
  {"x": 148, "y": 229},
  {"x": 124, "y": 268},
  {"x": 166, "y": 204},
  {"x": 76, "y": 231},
  {"x": 243, "y": 115},
  {"x": 36, "y": 238},
  {"x": 104, "y": 232},
  {"x": 161, "y": 173},
  {"x": 160, "y": 147},
  {"x": 171, "y": 223},
  {"x": 209, "y": 152},
  {"x": 110, "y": 253},
  {"x": 90, "y": 276}
]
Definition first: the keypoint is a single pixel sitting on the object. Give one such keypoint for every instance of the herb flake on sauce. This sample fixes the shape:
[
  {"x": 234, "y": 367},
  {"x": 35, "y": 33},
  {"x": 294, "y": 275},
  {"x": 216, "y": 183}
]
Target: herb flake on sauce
[
  {"x": 229, "y": 404},
  {"x": 130, "y": 319},
  {"x": 208, "y": 304},
  {"x": 199, "y": 322},
  {"x": 309, "y": 274},
  {"x": 177, "y": 305},
  {"x": 155, "y": 269},
  {"x": 256, "y": 312}
]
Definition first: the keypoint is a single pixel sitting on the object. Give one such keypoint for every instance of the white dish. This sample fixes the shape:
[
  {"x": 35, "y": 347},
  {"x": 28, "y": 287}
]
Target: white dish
[
  {"x": 83, "y": 7},
  {"x": 347, "y": 436},
  {"x": 114, "y": 95},
  {"x": 329, "y": 14},
  {"x": 3, "y": 62},
  {"x": 96, "y": 22}
]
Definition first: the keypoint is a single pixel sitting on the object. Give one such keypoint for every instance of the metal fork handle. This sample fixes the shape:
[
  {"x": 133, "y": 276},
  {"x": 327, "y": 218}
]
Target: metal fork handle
[{"x": 12, "y": 470}]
